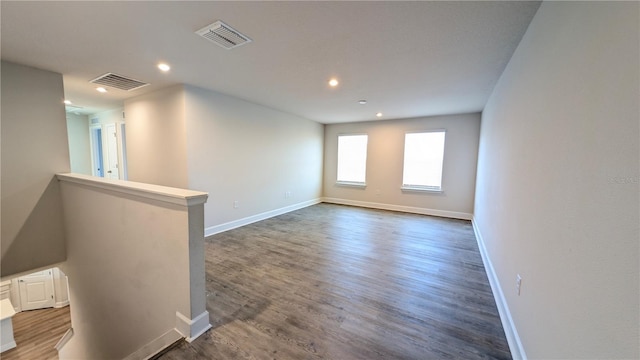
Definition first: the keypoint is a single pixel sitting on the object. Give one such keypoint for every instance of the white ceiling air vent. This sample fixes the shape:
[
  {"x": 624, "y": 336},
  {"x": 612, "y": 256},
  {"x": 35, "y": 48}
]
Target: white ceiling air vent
[
  {"x": 118, "y": 82},
  {"x": 223, "y": 35}
]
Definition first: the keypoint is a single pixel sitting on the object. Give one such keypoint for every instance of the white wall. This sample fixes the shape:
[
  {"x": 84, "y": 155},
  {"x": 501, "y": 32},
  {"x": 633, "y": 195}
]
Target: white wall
[
  {"x": 156, "y": 139},
  {"x": 240, "y": 151},
  {"x": 107, "y": 117},
  {"x": 385, "y": 162},
  {"x": 557, "y": 197},
  {"x": 133, "y": 262},
  {"x": 60, "y": 287},
  {"x": 79, "y": 144},
  {"x": 34, "y": 148}
]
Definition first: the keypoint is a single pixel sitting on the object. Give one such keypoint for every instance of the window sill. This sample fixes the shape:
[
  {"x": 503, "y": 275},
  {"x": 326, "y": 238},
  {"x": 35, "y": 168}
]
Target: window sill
[
  {"x": 422, "y": 189},
  {"x": 351, "y": 184}
]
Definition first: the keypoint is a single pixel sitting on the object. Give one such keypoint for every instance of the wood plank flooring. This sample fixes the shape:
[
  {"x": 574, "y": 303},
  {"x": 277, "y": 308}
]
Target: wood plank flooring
[
  {"x": 36, "y": 332},
  {"x": 338, "y": 282}
]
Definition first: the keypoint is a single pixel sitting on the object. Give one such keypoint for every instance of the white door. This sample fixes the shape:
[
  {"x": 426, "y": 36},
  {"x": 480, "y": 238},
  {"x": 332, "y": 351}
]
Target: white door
[
  {"x": 96, "y": 151},
  {"x": 36, "y": 290},
  {"x": 111, "y": 142}
]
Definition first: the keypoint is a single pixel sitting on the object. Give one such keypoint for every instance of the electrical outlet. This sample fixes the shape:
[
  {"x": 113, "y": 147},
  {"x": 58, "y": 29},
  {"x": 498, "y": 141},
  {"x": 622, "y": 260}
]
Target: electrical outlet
[
  {"x": 518, "y": 283},
  {"x": 235, "y": 204}
]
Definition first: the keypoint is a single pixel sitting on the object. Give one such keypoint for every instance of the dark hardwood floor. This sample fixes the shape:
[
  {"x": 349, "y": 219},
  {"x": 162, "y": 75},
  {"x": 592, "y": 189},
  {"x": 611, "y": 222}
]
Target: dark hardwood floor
[
  {"x": 36, "y": 332},
  {"x": 338, "y": 282}
]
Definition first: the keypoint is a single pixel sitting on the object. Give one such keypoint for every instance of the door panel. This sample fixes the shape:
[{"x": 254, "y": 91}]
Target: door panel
[{"x": 36, "y": 290}]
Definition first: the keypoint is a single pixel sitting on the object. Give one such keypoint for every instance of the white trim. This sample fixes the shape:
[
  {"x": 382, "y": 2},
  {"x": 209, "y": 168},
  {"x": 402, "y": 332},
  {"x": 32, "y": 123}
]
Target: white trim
[
  {"x": 155, "y": 346},
  {"x": 5, "y": 289},
  {"x": 64, "y": 339},
  {"x": 212, "y": 230},
  {"x": 355, "y": 184},
  {"x": 61, "y": 304},
  {"x": 424, "y": 189},
  {"x": 155, "y": 192},
  {"x": 6, "y": 326},
  {"x": 407, "y": 209},
  {"x": 191, "y": 329},
  {"x": 8, "y": 346},
  {"x": 515, "y": 345}
]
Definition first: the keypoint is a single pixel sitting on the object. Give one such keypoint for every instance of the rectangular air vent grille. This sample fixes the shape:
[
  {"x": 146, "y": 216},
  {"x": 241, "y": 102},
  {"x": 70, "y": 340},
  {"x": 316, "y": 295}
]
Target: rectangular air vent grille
[
  {"x": 118, "y": 82},
  {"x": 223, "y": 35}
]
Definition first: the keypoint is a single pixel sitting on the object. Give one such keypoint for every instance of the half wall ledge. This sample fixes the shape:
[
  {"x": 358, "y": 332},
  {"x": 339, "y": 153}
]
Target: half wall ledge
[{"x": 149, "y": 191}]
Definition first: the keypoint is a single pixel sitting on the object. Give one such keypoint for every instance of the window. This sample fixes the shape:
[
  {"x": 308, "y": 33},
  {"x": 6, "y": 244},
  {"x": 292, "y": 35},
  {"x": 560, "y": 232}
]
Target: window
[
  {"x": 423, "y": 159},
  {"x": 352, "y": 159}
]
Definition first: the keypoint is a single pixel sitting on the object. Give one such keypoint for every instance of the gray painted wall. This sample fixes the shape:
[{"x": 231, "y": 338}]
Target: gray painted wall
[
  {"x": 156, "y": 138},
  {"x": 130, "y": 266},
  {"x": 240, "y": 151},
  {"x": 34, "y": 148},
  {"x": 557, "y": 197},
  {"x": 233, "y": 149},
  {"x": 385, "y": 158}
]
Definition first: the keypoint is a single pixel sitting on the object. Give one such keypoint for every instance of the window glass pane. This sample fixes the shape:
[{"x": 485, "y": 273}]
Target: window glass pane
[
  {"x": 352, "y": 158},
  {"x": 423, "y": 159}
]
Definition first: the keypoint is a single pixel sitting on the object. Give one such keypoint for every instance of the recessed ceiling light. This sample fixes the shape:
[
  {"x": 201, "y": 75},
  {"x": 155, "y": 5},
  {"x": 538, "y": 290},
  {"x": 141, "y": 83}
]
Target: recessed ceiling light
[
  {"x": 101, "y": 89},
  {"x": 164, "y": 67},
  {"x": 362, "y": 102},
  {"x": 379, "y": 114},
  {"x": 333, "y": 82},
  {"x": 67, "y": 102}
]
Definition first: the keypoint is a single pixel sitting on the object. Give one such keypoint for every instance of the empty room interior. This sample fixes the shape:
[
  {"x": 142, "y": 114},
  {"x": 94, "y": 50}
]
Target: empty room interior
[{"x": 320, "y": 180}]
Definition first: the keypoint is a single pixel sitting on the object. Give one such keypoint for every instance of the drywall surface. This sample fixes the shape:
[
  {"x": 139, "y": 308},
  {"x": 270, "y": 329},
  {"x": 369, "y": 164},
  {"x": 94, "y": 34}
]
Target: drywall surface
[
  {"x": 385, "y": 156},
  {"x": 79, "y": 143},
  {"x": 107, "y": 117},
  {"x": 557, "y": 197},
  {"x": 156, "y": 139},
  {"x": 243, "y": 154},
  {"x": 129, "y": 265},
  {"x": 34, "y": 148}
]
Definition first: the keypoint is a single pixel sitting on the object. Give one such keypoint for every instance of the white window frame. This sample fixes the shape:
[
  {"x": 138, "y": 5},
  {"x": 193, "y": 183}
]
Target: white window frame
[
  {"x": 359, "y": 184},
  {"x": 418, "y": 187}
]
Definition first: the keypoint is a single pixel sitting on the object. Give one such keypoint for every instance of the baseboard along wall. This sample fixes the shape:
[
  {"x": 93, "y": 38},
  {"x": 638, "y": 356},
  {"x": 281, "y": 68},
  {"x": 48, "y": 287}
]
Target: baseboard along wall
[
  {"x": 212, "y": 230},
  {"x": 407, "y": 209},
  {"x": 515, "y": 344}
]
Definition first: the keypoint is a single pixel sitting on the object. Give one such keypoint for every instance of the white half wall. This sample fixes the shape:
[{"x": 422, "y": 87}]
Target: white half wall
[
  {"x": 557, "y": 197},
  {"x": 385, "y": 158},
  {"x": 252, "y": 160}
]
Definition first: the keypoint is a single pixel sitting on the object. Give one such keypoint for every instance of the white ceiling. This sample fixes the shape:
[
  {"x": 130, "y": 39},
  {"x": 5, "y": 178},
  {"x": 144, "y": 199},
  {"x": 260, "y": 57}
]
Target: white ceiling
[{"x": 408, "y": 59}]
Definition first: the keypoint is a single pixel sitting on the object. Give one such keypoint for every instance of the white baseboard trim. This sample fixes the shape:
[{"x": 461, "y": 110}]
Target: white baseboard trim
[
  {"x": 407, "y": 209},
  {"x": 61, "y": 304},
  {"x": 515, "y": 345},
  {"x": 8, "y": 346},
  {"x": 156, "y": 346},
  {"x": 212, "y": 230},
  {"x": 191, "y": 329},
  {"x": 64, "y": 339}
]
